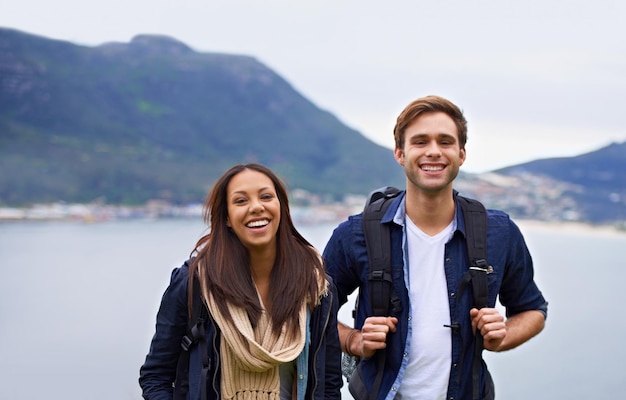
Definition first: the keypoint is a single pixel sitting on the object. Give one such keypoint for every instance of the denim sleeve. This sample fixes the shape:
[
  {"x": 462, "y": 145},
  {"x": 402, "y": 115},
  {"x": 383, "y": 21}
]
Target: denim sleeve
[
  {"x": 519, "y": 292},
  {"x": 333, "y": 377},
  {"x": 339, "y": 256},
  {"x": 158, "y": 373}
]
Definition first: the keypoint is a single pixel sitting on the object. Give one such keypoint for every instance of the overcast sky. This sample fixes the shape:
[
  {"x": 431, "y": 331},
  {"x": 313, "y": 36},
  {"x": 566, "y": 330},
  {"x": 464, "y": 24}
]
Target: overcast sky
[{"x": 535, "y": 78}]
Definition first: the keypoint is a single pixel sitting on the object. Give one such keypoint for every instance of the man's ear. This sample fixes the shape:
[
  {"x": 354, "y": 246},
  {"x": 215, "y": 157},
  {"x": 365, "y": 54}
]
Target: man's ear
[
  {"x": 462, "y": 155},
  {"x": 398, "y": 154}
]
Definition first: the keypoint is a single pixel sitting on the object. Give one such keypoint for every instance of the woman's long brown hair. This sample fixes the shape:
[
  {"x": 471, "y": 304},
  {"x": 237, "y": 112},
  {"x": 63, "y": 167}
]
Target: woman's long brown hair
[{"x": 225, "y": 264}]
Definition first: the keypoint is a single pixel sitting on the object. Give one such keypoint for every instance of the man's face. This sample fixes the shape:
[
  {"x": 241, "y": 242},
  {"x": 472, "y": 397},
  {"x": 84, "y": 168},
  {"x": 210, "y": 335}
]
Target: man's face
[{"x": 431, "y": 153}]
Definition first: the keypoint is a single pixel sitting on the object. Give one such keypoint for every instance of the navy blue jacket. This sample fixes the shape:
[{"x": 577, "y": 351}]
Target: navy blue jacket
[
  {"x": 346, "y": 259},
  {"x": 159, "y": 371}
]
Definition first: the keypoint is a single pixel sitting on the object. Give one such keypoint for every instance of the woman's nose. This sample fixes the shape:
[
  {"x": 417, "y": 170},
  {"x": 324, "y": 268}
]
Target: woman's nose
[{"x": 256, "y": 206}]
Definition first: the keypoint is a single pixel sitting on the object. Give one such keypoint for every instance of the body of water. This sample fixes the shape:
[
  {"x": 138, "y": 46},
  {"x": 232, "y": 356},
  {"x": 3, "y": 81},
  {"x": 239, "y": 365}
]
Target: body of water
[{"x": 78, "y": 304}]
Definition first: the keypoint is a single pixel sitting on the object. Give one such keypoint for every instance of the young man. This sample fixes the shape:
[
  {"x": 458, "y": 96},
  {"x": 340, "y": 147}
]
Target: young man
[{"x": 429, "y": 339}]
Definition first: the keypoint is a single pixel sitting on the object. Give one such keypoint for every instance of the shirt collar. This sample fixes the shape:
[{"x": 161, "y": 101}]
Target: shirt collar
[{"x": 400, "y": 214}]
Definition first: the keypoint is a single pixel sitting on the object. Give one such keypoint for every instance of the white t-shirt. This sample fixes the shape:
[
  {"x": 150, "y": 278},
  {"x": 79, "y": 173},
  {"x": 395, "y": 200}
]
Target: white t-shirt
[{"x": 430, "y": 353}]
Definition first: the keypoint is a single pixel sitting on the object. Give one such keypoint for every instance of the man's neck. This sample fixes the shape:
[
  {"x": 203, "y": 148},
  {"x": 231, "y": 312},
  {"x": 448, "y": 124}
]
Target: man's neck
[{"x": 431, "y": 213}]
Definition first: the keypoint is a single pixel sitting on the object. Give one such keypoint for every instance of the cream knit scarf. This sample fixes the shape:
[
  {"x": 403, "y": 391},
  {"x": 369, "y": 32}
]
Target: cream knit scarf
[{"x": 250, "y": 357}]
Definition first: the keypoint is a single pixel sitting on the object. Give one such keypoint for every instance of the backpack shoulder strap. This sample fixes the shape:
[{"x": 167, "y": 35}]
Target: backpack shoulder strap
[
  {"x": 195, "y": 335},
  {"x": 475, "y": 217},
  {"x": 378, "y": 244}
]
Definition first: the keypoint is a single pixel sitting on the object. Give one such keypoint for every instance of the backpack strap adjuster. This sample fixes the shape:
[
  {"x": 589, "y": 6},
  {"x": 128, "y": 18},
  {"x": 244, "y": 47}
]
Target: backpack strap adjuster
[{"x": 186, "y": 343}]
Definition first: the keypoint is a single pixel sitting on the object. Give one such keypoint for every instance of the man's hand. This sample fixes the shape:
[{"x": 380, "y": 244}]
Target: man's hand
[
  {"x": 500, "y": 335},
  {"x": 372, "y": 337},
  {"x": 374, "y": 333},
  {"x": 491, "y": 326}
]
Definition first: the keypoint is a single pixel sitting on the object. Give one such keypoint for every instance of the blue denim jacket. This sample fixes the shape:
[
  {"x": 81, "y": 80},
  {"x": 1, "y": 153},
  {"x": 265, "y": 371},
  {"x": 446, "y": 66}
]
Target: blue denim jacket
[
  {"x": 346, "y": 259},
  {"x": 319, "y": 365}
]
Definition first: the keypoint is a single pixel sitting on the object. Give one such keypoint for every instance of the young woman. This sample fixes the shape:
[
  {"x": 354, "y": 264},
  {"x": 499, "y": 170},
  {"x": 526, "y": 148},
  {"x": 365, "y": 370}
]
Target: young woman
[{"x": 272, "y": 326}]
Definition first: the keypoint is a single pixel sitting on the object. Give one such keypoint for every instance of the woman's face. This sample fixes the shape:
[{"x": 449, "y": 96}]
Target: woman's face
[{"x": 253, "y": 209}]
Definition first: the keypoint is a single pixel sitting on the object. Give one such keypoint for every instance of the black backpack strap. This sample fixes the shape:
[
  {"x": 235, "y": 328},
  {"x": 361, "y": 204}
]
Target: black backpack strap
[
  {"x": 475, "y": 217},
  {"x": 378, "y": 244},
  {"x": 195, "y": 335}
]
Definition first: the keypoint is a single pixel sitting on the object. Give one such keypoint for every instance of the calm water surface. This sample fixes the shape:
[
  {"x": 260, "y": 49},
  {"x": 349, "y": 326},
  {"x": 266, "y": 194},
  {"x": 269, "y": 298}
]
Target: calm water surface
[{"x": 78, "y": 304}]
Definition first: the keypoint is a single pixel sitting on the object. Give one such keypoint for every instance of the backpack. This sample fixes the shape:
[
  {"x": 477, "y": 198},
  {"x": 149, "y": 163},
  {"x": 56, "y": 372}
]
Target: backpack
[
  {"x": 195, "y": 336},
  {"x": 382, "y": 295}
]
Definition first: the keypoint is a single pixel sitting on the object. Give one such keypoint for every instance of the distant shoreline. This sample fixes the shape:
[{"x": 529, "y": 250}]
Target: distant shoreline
[
  {"x": 570, "y": 226},
  {"x": 311, "y": 215}
]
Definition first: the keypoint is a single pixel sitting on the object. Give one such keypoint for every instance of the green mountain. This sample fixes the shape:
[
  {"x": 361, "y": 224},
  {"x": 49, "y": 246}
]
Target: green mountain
[{"x": 153, "y": 119}]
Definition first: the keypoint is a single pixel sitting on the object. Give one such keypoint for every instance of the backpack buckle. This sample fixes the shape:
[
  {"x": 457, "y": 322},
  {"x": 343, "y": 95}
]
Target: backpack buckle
[
  {"x": 378, "y": 275},
  {"x": 488, "y": 269},
  {"x": 481, "y": 265},
  {"x": 186, "y": 343}
]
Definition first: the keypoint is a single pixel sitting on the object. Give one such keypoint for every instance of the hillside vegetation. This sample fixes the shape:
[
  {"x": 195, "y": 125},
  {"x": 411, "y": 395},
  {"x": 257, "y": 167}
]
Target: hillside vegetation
[{"x": 129, "y": 122}]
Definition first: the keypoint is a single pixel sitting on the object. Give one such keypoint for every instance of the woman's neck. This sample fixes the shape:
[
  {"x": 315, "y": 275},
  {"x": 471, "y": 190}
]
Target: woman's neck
[{"x": 261, "y": 266}]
